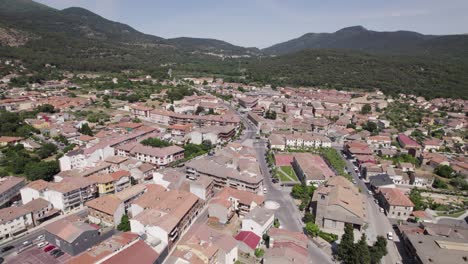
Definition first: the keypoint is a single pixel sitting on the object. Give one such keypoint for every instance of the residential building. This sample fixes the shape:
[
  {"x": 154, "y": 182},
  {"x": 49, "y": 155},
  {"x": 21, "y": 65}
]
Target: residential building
[
  {"x": 338, "y": 203},
  {"x": 13, "y": 221},
  {"x": 379, "y": 141},
  {"x": 203, "y": 187},
  {"x": 259, "y": 221},
  {"x": 248, "y": 102},
  {"x": 163, "y": 215},
  {"x": 160, "y": 157},
  {"x": 229, "y": 201},
  {"x": 202, "y": 244},
  {"x": 106, "y": 210},
  {"x": 41, "y": 210},
  {"x": 214, "y": 134},
  {"x": 395, "y": 203},
  {"x": 10, "y": 187},
  {"x": 248, "y": 241}
]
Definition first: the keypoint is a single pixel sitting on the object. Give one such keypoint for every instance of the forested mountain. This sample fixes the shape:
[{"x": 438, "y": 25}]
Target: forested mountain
[
  {"x": 81, "y": 39},
  {"x": 390, "y": 43},
  {"x": 342, "y": 69}
]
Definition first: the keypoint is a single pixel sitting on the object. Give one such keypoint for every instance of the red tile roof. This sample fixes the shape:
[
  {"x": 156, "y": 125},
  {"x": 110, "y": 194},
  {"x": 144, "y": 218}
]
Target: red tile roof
[
  {"x": 396, "y": 197},
  {"x": 249, "y": 238},
  {"x": 137, "y": 253}
]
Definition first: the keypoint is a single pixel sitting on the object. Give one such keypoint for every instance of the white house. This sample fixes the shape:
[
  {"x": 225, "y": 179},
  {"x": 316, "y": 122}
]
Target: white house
[
  {"x": 259, "y": 221},
  {"x": 14, "y": 220}
]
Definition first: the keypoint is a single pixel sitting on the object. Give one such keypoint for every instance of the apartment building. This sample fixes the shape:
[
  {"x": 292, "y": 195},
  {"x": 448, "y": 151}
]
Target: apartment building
[
  {"x": 311, "y": 168},
  {"x": 10, "y": 187},
  {"x": 13, "y": 221},
  {"x": 106, "y": 210},
  {"x": 395, "y": 203}
]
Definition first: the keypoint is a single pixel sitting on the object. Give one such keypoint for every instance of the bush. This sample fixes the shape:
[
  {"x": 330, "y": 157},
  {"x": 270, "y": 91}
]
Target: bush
[{"x": 329, "y": 237}]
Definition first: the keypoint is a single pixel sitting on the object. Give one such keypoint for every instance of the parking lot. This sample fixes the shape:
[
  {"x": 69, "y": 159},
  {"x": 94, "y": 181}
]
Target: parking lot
[{"x": 35, "y": 255}]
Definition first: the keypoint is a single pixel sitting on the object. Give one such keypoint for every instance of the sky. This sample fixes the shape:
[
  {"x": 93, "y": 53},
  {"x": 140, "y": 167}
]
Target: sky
[{"x": 262, "y": 23}]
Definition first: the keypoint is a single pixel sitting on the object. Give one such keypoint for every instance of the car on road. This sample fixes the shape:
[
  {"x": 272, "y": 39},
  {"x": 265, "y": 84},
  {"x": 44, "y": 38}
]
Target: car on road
[
  {"x": 42, "y": 244},
  {"x": 382, "y": 210},
  {"x": 265, "y": 190},
  {"x": 49, "y": 248},
  {"x": 369, "y": 192},
  {"x": 390, "y": 236},
  {"x": 40, "y": 237},
  {"x": 7, "y": 248},
  {"x": 25, "y": 243}
]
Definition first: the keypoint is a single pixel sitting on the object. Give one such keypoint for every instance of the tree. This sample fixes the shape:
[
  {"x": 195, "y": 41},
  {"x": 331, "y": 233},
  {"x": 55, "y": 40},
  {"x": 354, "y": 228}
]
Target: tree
[
  {"x": 366, "y": 109},
  {"x": 416, "y": 198},
  {"x": 155, "y": 142},
  {"x": 45, "y": 108},
  {"x": 439, "y": 184},
  {"x": 43, "y": 170},
  {"x": 259, "y": 252},
  {"x": 312, "y": 229},
  {"x": 266, "y": 240},
  {"x": 86, "y": 130},
  {"x": 378, "y": 250},
  {"x": 370, "y": 126},
  {"x": 47, "y": 150},
  {"x": 124, "y": 225},
  {"x": 362, "y": 251},
  {"x": 276, "y": 223},
  {"x": 444, "y": 171},
  {"x": 199, "y": 110},
  {"x": 308, "y": 217},
  {"x": 346, "y": 249},
  {"x": 171, "y": 108}
]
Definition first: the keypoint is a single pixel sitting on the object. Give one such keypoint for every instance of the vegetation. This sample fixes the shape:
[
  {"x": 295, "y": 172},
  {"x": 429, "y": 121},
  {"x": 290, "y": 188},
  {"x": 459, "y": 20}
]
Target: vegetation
[
  {"x": 86, "y": 130},
  {"x": 366, "y": 109},
  {"x": 155, "y": 142},
  {"x": 333, "y": 158},
  {"x": 13, "y": 124},
  {"x": 303, "y": 193},
  {"x": 42, "y": 170},
  {"x": 276, "y": 223},
  {"x": 289, "y": 171},
  {"x": 439, "y": 184},
  {"x": 360, "y": 253},
  {"x": 270, "y": 115},
  {"x": 312, "y": 229},
  {"x": 124, "y": 225},
  {"x": 47, "y": 150},
  {"x": 193, "y": 150},
  {"x": 416, "y": 198},
  {"x": 403, "y": 115},
  {"x": 444, "y": 171},
  {"x": 259, "y": 253}
]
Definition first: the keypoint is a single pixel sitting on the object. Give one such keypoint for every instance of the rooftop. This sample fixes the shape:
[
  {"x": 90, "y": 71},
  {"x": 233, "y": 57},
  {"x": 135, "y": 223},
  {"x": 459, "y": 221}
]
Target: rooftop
[
  {"x": 249, "y": 238},
  {"x": 396, "y": 197}
]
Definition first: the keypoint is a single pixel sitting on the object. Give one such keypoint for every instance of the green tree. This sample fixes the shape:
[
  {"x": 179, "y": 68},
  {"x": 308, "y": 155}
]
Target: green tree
[
  {"x": 124, "y": 225},
  {"x": 439, "y": 184},
  {"x": 308, "y": 217},
  {"x": 370, "y": 126},
  {"x": 346, "y": 248},
  {"x": 444, "y": 171},
  {"x": 155, "y": 142},
  {"x": 86, "y": 130},
  {"x": 312, "y": 229},
  {"x": 266, "y": 240},
  {"x": 47, "y": 150},
  {"x": 276, "y": 223},
  {"x": 416, "y": 198},
  {"x": 366, "y": 109},
  {"x": 45, "y": 108},
  {"x": 43, "y": 170},
  {"x": 362, "y": 251},
  {"x": 378, "y": 250},
  {"x": 259, "y": 252}
]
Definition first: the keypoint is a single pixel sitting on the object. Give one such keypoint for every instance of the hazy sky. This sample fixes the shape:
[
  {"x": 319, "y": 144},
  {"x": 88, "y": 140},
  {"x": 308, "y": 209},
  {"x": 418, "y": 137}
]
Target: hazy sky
[{"x": 261, "y": 23}]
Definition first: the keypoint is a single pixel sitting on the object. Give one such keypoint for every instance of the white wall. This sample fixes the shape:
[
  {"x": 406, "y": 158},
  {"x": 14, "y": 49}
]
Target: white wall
[{"x": 29, "y": 194}]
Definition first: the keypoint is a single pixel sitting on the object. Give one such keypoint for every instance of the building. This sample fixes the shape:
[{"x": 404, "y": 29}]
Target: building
[
  {"x": 409, "y": 144},
  {"x": 111, "y": 182},
  {"x": 259, "y": 220},
  {"x": 395, "y": 203},
  {"x": 10, "y": 187},
  {"x": 229, "y": 201},
  {"x": 306, "y": 140},
  {"x": 41, "y": 210},
  {"x": 379, "y": 141},
  {"x": 248, "y": 241},
  {"x": 160, "y": 157},
  {"x": 66, "y": 195},
  {"x": 129, "y": 195},
  {"x": 13, "y": 221},
  {"x": 163, "y": 216},
  {"x": 312, "y": 169},
  {"x": 106, "y": 210},
  {"x": 203, "y": 244},
  {"x": 4, "y": 141},
  {"x": 248, "y": 102},
  {"x": 72, "y": 237},
  {"x": 214, "y": 134},
  {"x": 106, "y": 249},
  {"x": 203, "y": 188},
  {"x": 223, "y": 175},
  {"x": 338, "y": 203},
  {"x": 427, "y": 249}
]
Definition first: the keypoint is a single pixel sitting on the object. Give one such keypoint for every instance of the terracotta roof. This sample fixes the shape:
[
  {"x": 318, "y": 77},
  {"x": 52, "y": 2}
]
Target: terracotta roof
[
  {"x": 244, "y": 197},
  {"x": 68, "y": 231},
  {"x": 9, "y": 139},
  {"x": 36, "y": 205},
  {"x": 119, "y": 174},
  {"x": 105, "y": 248},
  {"x": 9, "y": 182},
  {"x": 139, "y": 253},
  {"x": 107, "y": 204},
  {"x": 11, "y": 213},
  {"x": 249, "y": 238},
  {"x": 38, "y": 185},
  {"x": 396, "y": 197}
]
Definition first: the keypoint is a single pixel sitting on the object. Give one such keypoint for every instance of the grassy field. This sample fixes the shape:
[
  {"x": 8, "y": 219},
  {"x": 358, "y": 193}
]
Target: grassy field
[
  {"x": 289, "y": 171},
  {"x": 454, "y": 215}
]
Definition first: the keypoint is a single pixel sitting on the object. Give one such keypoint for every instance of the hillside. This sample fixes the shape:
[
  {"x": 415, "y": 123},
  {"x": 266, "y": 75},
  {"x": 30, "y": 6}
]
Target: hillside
[
  {"x": 210, "y": 45},
  {"x": 391, "y": 43},
  {"x": 346, "y": 70}
]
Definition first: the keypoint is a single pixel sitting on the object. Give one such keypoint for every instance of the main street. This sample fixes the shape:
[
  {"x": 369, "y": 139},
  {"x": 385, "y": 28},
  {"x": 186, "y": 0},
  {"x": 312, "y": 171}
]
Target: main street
[
  {"x": 288, "y": 214},
  {"x": 378, "y": 223}
]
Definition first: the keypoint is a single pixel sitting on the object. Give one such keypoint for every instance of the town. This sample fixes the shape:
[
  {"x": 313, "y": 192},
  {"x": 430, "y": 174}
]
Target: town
[{"x": 201, "y": 170}]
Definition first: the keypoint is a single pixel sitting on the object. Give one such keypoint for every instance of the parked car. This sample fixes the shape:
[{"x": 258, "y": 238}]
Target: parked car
[
  {"x": 265, "y": 190},
  {"x": 53, "y": 252},
  {"x": 60, "y": 253},
  {"x": 49, "y": 248},
  {"x": 25, "y": 243},
  {"x": 41, "y": 237},
  {"x": 390, "y": 236},
  {"x": 381, "y": 210},
  {"x": 42, "y": 244},
  {"x": 7, "y": 248},
  {"x": 369, "y": 192}
]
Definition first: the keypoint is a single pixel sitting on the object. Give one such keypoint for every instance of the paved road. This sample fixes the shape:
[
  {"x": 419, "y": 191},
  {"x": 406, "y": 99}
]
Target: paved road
[
  {"x": 288, "y": 214},
  {"x": 378, "y": 222}
]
